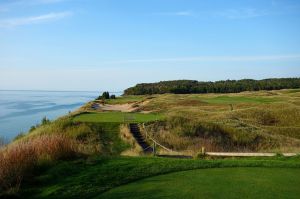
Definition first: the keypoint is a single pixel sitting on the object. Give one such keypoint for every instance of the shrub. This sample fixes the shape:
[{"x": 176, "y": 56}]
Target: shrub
[
  {"x": 105, "y": 95},
  {"x": 45, "y": 121}
]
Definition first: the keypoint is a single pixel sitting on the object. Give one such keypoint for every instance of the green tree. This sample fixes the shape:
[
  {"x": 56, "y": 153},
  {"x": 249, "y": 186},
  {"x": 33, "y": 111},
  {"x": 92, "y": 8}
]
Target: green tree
[{"x": 105, "y": 95}]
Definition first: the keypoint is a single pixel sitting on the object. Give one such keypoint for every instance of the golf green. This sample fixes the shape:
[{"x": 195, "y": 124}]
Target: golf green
[{"x": 215, "y": 183}]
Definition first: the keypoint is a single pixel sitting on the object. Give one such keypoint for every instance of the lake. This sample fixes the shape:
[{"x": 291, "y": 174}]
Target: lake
[{"x": 19, "y": 110}]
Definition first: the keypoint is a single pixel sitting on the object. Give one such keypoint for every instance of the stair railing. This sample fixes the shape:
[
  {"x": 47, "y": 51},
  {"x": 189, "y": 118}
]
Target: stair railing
[{"x": 156, "y": 143}]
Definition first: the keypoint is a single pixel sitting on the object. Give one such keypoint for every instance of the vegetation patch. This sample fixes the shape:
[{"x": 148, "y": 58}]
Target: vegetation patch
[
  {"x": 118, "y": 117},
  {"x": 238, "y": 99},
  {"x": 18, "y": 160}
]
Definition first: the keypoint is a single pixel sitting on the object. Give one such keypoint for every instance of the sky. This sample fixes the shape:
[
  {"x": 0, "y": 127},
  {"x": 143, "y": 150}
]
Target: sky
[{"x": 91, "y": 45}]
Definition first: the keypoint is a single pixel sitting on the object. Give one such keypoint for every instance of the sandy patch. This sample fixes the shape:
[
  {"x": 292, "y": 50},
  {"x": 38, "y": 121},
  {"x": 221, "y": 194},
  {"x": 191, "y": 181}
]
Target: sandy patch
[{"x": 129, "y": 107}]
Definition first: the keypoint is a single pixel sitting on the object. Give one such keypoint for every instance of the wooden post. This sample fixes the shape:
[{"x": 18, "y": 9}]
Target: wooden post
[
  {"x": 145, "y": 130},
  {"x": 203, "y": 150}
]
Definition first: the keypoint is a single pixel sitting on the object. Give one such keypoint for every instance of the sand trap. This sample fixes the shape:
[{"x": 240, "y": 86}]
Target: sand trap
[
  {"x": 128, "y": 107},
  {"x": 118, "y": 107}
]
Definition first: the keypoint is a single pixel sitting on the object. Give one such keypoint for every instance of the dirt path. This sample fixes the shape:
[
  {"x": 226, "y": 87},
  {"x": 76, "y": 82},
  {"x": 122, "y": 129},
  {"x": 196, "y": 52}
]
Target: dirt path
[{"x": 248, "y": 154}]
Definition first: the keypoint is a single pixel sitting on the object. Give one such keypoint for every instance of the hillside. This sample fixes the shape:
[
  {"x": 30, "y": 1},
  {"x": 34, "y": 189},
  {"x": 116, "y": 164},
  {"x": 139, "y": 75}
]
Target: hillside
[
  {"x": 82, "y": 153},
  {"x": 247, "y": 121},
  {"x": 228, "y": 86}
]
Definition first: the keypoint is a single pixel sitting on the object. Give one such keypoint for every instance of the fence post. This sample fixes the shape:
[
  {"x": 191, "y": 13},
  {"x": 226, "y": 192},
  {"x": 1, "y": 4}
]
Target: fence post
[
  {"x": 203, "y": 150},
  {"x": 145, "y": 130},
  {"x": 154, "y": 148}
]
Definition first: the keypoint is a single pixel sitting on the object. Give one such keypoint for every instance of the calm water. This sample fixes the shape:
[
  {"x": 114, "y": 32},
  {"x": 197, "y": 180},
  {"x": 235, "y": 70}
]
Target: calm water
[{"x": 19, "y": 110}]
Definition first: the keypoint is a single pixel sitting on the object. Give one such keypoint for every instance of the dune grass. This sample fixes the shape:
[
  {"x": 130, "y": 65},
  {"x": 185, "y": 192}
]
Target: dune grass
[
  {"x": 117, "y": 117},
  {"x": 238, "y": 99},
  {"x": 250, "y": 121},
  {"x": 94, "y": 176},
  {"x": 19, "y": 159},
  {"x": 215, "y": 183},
  {"x": 96, "y": 137}
]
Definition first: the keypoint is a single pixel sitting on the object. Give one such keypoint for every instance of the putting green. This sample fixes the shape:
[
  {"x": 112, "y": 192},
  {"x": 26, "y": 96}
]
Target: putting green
[
  {"x": 215, "y": 183},
  {"x": 117, "y": 117}
]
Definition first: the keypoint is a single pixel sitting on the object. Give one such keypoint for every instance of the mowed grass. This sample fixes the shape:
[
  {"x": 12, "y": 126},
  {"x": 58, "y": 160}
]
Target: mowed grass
[
  {"x": 125, "y": 99},
  {"x": 89, "y": 178},
  {"x": 117, "y": 117},
  {"x": 215, "y": 183}
]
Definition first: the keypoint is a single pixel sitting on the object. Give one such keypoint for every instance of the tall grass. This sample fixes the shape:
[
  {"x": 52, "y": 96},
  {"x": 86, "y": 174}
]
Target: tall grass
[
  {"x": 256, "y": 121},
  {"x": 186, "y": 133},
  {"x": 19, "y": 159}
]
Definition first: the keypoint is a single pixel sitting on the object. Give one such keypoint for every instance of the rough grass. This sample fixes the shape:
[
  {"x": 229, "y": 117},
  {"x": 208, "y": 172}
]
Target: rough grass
[
  {"x": 101, "y": 138},
  {"x": 215, "y": 183},
  {"x": 61, "y": 139},
  {"x": 238, "y": 99},
  {"x": 92, "y": 177},
  {"x": 19, "y": 159},
  {"x": 117, "y": 117},
  {"x": 249, "y": 121}
]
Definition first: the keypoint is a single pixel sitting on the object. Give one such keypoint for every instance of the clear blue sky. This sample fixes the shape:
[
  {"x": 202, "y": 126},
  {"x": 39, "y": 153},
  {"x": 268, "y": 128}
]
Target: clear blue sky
[{"x": 113, "y": 44}]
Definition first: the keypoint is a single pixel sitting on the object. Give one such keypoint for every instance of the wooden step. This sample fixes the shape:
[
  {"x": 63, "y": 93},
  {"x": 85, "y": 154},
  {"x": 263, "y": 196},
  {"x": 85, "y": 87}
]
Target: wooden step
[{"x": 135, "y": 131}]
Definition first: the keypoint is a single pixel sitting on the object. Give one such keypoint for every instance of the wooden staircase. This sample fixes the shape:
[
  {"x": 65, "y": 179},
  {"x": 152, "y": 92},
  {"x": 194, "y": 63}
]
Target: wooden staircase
[{"x": 135, "y": 131}]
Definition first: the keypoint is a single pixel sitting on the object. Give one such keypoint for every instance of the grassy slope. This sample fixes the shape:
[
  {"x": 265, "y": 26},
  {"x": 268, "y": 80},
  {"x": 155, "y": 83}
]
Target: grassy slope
[
  {"x": 216, "y": 183},
  {"x": 253, "y": 121},
  {"x": 90, "y": 178},
  {"x": 104, "y": 136}
]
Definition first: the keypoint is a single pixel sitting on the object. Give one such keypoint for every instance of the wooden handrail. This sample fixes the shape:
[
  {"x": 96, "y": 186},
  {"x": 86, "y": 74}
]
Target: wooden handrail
[{"x": 156, "y": 142}]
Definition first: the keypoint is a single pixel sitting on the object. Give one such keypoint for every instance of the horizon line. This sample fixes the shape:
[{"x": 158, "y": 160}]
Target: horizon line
[{"x": 39, "y": 90}]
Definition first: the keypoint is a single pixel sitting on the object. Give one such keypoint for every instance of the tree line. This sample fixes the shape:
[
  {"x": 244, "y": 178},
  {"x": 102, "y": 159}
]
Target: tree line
[{"x": 227, "y": 86}]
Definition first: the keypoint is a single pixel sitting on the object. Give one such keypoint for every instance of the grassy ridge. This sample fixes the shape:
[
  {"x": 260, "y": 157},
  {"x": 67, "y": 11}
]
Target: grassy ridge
[
  {"x": 89, "y": 178},
  {"x": 96, "y": 137}
]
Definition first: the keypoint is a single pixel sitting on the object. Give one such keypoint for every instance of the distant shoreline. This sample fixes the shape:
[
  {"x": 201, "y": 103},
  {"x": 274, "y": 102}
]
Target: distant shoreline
[{"x": 59, "y": 91}]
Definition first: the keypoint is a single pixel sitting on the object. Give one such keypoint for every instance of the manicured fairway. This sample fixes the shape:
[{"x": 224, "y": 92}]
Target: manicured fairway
[
  {"x": 117, "y": 117},
  {"x": 126, "y": 99},
  {"x": 215, "y": 183}
]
